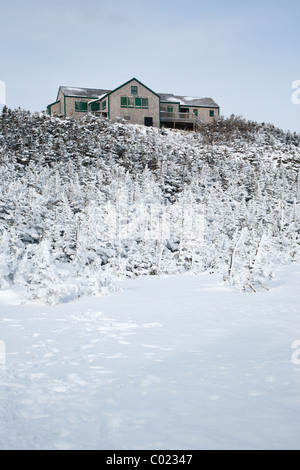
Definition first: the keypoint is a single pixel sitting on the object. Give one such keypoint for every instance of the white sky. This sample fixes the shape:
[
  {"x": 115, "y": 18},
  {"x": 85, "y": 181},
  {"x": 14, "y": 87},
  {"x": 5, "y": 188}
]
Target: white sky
[{"x": 243, "y": 54}]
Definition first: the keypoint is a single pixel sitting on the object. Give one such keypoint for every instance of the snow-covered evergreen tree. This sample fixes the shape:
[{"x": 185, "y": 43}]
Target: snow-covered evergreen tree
[{"x": 82, "y": 200}]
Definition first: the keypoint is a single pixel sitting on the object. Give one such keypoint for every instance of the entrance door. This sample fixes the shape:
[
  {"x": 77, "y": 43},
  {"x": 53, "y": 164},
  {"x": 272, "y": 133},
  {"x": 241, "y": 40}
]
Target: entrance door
[{"x": 148, "y": 121}]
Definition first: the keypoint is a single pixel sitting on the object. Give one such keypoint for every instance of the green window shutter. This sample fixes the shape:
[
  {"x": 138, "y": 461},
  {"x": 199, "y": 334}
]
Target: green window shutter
[
  {"x": 145, "y": 103},
  {"x": 211, "y": 113},
  {"x": 103, "y": 104},
  {"x": 95, "y": 106},
  {"x": 81, "y": 106},
  {"x": 138, "y": 102},
  {"x": 170, "y": 109},
  {"x": 195, "y": 111},
  {"x": 124, "y": 101},
  {"x": 130, "y": 102}
]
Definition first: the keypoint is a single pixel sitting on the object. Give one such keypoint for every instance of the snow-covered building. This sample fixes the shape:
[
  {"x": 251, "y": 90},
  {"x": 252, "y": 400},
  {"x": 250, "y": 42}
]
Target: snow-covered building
[{"x": 136, "y": 103}]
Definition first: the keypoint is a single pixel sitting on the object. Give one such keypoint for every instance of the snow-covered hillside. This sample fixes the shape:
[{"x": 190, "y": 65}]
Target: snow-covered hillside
[
  {"x": 83, "y": 202},
  {"x": 179, "y": 229}
]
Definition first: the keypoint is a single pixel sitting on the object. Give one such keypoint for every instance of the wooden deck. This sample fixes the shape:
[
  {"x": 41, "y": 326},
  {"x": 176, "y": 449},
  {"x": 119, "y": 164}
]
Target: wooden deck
[{"x": 189, "y": 120}]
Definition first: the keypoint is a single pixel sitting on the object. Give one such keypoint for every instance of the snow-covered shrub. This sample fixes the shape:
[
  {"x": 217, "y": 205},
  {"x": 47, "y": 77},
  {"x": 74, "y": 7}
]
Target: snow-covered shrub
[{"x": 77, "y": 201}]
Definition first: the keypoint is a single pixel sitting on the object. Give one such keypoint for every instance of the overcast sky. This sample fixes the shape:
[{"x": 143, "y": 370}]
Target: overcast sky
[{"x": 243, "y": 54}]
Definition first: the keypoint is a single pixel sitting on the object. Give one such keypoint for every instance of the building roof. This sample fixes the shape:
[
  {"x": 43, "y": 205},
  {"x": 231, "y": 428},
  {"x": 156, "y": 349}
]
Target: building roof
[
  {"x": 188, "y": 100},
  {"x": 97, "y": 93},
  {"x": 84, "y": 92}
]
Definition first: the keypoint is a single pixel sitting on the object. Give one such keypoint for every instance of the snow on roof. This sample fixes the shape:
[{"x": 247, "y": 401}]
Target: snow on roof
[
  {"x": 174, "y": 98},
  {"x": 84, "y": 92},
  {"x": 97, "y": 93},
  {"x": 96, "y": 99},
  {"x": 189, "y": 100},
  {"x": 192, "y": 98}
]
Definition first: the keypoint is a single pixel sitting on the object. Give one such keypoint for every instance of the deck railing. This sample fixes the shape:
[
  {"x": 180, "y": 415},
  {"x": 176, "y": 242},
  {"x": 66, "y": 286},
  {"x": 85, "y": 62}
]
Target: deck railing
[
  {"x": 166, "y": 116},
  {"x": 180, "y": 117}
]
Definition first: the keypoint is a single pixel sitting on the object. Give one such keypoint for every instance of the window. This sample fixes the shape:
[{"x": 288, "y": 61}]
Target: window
[
  {"x": 195, "y": 111},
  {"x": 103, "y": 105},
  {"x": 134, "y": 102},
  {"x": 81, "y": 106},
  {"x": 130, "y": 102},
  {"x": 145, "y": 103},
  {"x": 170, "y": 109},
  {"x": 95, "y": 107},
  {"x": 211, "y": 113},
  {"x": 134, "y": 90}
]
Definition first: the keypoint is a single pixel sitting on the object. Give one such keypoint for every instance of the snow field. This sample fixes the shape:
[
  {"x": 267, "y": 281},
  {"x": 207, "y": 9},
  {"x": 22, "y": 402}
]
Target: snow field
[{"x": 177, "y": 362}]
